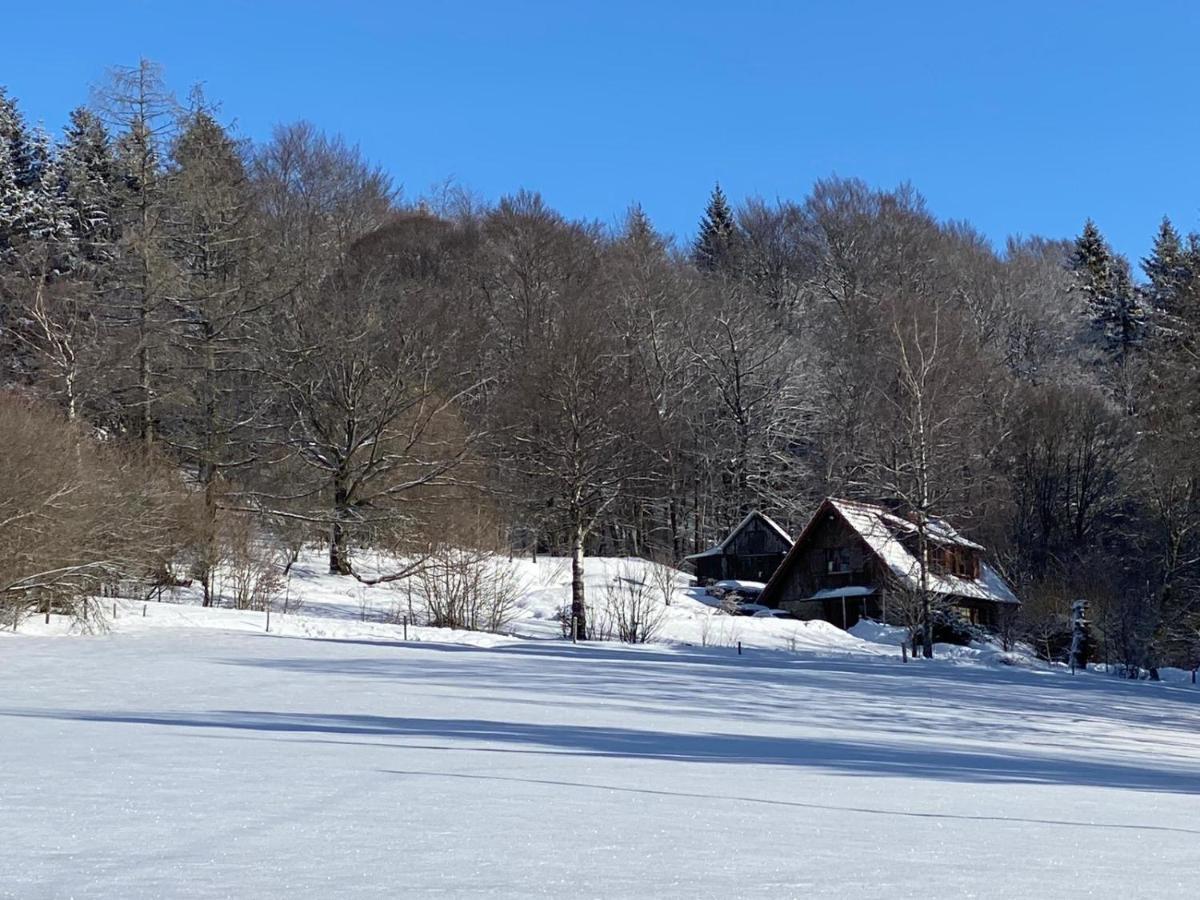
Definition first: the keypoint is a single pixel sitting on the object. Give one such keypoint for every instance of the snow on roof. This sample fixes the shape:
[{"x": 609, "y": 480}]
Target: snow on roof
[
  {"x": 835, "y": 593},
  {"x": 720, "y": 548},
  {"x": 736, "y": 584},
  {"x": 937, "y": 530},
  {"x": 880, "y": 527}
]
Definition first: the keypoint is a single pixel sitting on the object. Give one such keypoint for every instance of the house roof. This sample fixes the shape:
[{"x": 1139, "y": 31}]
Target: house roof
[
  {"x": 853, "y": 590},
  {"x": 720, "y": 548},
  {"x": 870, "y": 517},
  {"x": 881, "y": 529}
]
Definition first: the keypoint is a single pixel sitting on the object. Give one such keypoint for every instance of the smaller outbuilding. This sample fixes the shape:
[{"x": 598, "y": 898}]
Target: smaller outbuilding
[{"x": 751, "y": 552}]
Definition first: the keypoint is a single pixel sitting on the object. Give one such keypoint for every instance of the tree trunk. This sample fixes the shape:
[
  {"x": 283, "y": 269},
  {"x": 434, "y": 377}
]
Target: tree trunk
[
  {"x": 578, "y": 609},
  {"x": 926, "y": 612},
  {"x": 339, "y": 556},
  {"x": 145, "y": 404},
  {"x": 676, "y": 545}
]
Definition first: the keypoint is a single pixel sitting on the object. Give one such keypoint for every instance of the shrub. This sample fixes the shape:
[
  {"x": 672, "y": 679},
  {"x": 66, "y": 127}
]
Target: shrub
[
  {"x": 78, "y": 515},
  {"x": 633, "y": 609},
  {"x": 468, "y": 589}
]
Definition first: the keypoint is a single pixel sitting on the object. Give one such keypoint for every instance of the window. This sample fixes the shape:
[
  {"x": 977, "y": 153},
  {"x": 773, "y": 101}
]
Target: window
[
  {"x": 837, "y": 559},
  {"x": 957, "y": 561}
]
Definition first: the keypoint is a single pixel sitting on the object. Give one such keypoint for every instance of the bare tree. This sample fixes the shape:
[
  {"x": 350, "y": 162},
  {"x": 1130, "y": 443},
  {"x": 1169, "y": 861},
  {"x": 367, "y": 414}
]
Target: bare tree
[
  {"x": 138, "y": 106},
  {"x": 567, "y": 418},
  {"x": 571, "y": 440},
  {"x": 757, "y": 414},
  {"x": 372, "y": 396},
  {"x": 928, "y": 408}
]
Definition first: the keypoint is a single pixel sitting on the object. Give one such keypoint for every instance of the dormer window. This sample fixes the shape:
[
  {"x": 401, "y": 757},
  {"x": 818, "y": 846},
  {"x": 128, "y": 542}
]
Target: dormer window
[{"x": 960, "y": 561}]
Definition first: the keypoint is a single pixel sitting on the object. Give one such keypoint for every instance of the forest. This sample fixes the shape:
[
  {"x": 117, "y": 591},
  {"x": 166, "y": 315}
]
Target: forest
[{"x": 213, "y": 349}]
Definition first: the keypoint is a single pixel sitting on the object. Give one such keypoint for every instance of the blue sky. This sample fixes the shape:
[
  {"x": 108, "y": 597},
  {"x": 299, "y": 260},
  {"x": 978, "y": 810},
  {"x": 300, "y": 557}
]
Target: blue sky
[{"x": 1019, "y": 117}]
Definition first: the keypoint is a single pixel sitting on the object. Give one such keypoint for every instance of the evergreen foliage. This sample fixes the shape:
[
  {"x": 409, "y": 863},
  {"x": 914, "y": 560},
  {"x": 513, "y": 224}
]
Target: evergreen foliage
[
  {"x": 1117, "y": 314},
  {"x": 717, "y": 246}
]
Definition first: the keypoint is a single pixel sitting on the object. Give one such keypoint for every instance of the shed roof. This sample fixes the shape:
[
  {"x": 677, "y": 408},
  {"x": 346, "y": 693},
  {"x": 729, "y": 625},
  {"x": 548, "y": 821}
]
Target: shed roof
[{"x": 718, "y": 549}]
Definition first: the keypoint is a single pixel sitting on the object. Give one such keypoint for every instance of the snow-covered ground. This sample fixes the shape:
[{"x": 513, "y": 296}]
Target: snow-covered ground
[
  {"x": 190, "y": 753},
  {"x": 324, "y": 605}
]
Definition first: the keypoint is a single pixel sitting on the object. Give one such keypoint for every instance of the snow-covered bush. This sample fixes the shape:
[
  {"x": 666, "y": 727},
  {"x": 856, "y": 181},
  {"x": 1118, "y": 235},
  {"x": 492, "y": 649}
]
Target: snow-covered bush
[{"x": 949, "y": 627}]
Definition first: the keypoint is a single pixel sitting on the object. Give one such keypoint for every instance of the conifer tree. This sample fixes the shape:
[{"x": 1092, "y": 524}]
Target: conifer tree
[
  {"x": 15, "y": 140},
  {"x": 717, "y": 246},
  {"x": 1168, "y": 269},
  {"x": 87, "y": 171},
  {"x": 638, "y": 228},
  {"x": 1117, "y": 313},
  {"x": 11, "y": 204},
  {"x": 16, "y": 174},
  {"x": 48, "y": 219}
]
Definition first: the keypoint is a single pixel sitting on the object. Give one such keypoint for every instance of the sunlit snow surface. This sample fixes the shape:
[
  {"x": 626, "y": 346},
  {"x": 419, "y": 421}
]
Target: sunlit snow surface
[{"x": 206, "y": 758}]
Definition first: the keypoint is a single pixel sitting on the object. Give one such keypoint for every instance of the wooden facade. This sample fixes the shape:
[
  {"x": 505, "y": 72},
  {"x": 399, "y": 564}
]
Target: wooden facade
[
  {"x": 843, "y": 567},
  {"x": 833, "y": 559},
  {"x": 751, "y": 552}
]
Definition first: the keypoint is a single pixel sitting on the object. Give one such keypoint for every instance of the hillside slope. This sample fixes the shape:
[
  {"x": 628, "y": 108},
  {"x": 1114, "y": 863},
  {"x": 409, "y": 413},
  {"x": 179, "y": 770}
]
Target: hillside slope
[{"x": 318, "y": 604}]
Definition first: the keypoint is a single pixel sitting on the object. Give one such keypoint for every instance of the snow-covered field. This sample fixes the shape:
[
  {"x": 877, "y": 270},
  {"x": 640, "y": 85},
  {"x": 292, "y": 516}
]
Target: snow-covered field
[{"x": 190, "y": 753}]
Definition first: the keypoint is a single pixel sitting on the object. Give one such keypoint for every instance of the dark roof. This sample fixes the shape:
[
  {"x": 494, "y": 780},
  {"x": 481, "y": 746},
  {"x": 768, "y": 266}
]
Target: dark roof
[{"x": 718, "y": 549}]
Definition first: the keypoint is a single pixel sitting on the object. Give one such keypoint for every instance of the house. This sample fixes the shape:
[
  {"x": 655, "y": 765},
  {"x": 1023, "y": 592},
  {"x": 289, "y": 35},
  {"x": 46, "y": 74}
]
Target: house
[
  {"x": 852, "y": 557},
  {"x": 751, "y": 552}
]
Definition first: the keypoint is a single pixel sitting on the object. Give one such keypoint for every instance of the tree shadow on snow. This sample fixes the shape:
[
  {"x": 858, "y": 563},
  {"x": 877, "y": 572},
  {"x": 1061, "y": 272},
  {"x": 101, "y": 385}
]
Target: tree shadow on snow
[
  {"x": 838, "y": 756},
  {"x": 762, "y": 684}
]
